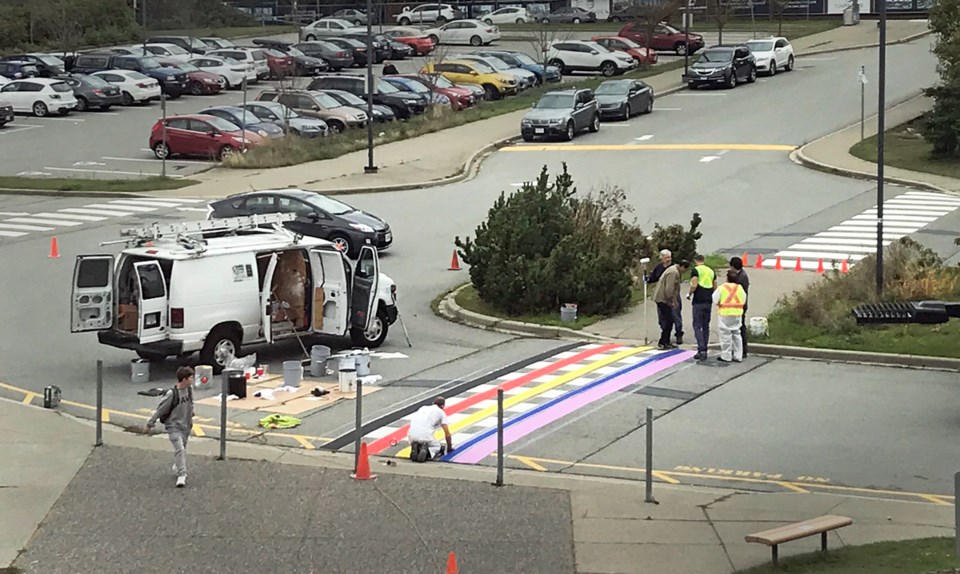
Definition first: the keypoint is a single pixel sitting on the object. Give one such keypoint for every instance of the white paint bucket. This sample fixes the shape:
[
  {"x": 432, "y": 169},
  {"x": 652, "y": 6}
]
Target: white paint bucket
[
  {"x": 140, "y": 371},
  {"x": 363, "y": 363},
  {"x": 346, "y": 361},
  {"x": 758, "y": 326},
  {"x": 348, "y": 380}
]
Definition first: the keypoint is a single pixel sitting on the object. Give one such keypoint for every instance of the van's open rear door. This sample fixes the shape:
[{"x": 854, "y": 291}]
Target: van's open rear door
[
  {"x": 366, "y": 280},
  {"x": 152, "y": 301},
  {"x": 92, "y": 302},
  {"x": 266, "y": 318}
]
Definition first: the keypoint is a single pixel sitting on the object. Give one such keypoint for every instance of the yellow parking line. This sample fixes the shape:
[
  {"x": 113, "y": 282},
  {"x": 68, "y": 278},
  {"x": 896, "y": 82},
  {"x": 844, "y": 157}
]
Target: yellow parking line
[
  {"x": 664, "y": 477},
  {"x": 28, "y": 397},
  {"x": 530, "y": 463},
  {"x": 934, "y": 499},
  {"x": 197, "y": 430},
  {"x": 304, "y": 442},
  {"x": 793, "y": 487},
  {"x": 639, "y": 147}
]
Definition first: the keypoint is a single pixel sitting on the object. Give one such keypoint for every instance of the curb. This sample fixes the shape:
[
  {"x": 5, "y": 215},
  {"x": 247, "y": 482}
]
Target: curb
[
  {"x": 858, "y": 357},
  {"x": 904, "y": 40}
]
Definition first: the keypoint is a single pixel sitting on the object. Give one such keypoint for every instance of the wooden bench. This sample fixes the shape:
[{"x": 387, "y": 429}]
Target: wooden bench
[{"x": 820, "y": 525}]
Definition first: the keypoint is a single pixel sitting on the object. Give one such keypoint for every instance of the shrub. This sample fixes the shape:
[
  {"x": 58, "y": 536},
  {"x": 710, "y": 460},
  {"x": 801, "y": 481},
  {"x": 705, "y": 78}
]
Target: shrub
[{"x": 543, "y": 246}]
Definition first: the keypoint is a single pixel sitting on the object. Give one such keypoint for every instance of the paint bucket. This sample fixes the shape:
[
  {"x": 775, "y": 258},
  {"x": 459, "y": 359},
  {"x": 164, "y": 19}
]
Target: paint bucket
[
  {"x": 346, "y": 361},
  {"x": 758, "y": 326},
  {"x": 292, "y": 373},
  {"x": 568, "y": 312},
  {"x": 318, "y": 360},
  {"x": 139, "y": 371},
  {"x": 348, "y": 380},
  {"x": 203, "y": 375},
  {"x": 363, "y": 363}
]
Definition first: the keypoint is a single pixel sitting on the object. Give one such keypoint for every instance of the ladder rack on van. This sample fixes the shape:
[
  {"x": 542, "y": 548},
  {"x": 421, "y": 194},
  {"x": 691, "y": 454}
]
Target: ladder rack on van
[{"x": 183, "y": 229}]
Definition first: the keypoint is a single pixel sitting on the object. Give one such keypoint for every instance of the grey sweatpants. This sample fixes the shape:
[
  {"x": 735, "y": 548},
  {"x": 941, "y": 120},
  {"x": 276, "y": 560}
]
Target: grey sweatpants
[
  {"x": 731, "y": 345},
  {"x": 179, "y": 441}
]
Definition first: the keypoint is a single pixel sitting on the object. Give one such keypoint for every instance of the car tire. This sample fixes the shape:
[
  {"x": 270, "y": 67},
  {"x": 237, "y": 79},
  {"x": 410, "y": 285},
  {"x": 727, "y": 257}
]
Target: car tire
[
  {"x": 608, "y": 69},
  {"x": 488, "y": 22},
  {"x": 680, "y": 48},
  {"x": 404, "y": 21},
  {"x": 82, "y": 104},
  {"x": 570, "y": 133},
  {"x": 773, "y": 68},
  {"x": 40, "y": 109},
  {"x": 224, "y": 83},
  {"x": 476, "y": 41},
  {"x": 219, "y": 342},
  {"x": 435, "y": 39},
  {"x": 558, "y": 63},
  {"x": 627, "y": 112},
  {"x": 753, "y": 75},
  {"x": 732, "y": 80},
  {"x": 649, "y": 108},
  {"x": 575, "y": 21},
  {"x": 342, "y": 243},
  {"x": 196, "y": 89},
  {"x": 312, "y": 38},
  {"x": 225, "y": 152},
  {"x": 491, "y": 92},
  {"x": 336, "y": 126},
  {"x": 377, "y": 334},
  {"x": 595, "y": 124},
  {"x": 161, "y": 150},
  {"x": 545, "y": 20},
  {"x": 519, "y": 21},
  {"x": 789, "y": 66},
  {"x": 127, "y": 99}
]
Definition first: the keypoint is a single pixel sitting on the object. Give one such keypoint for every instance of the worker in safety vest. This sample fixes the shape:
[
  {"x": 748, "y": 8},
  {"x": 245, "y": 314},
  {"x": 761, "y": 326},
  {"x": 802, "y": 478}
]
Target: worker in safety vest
[
  {"x": 702, "y": 284},
  {"x": 730, "y": 299}
]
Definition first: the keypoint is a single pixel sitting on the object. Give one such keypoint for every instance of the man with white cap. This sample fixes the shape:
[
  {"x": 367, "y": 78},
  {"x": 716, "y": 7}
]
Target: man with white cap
[
  {"x": 424, "y": 425},
  {"x": 666, "y": 260}
]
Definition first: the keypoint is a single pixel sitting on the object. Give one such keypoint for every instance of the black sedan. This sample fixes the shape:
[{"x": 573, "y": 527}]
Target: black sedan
[
  {"x": 623, "y": 98},
  {"x": 355, "y": 48},
  {"x": 317, "y": 216},
  {"x": 381, "y": 44},
  {"x": 335, "y": 56},
  {"x": 92, "y": 92}
]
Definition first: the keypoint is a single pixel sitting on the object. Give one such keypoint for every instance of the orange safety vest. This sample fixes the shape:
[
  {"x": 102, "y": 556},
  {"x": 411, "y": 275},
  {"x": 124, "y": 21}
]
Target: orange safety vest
[{"x": 732, "y": 300}]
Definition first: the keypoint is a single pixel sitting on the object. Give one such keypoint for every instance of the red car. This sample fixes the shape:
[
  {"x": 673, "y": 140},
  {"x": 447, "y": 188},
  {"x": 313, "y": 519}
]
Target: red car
[
  {"x": 200, "y": 83},
  {"x": 459, "y": 98},
  {"x": 200, "y": 136},
  {"x": 643, "y": 56},
  {"x": 281, "y": 65},
  {"x": 665, "y": 38},
  {"x": 422, "y": 45}
]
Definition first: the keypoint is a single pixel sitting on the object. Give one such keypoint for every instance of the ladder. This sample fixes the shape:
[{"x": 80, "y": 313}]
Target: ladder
[{"x": 157, "y": 231}]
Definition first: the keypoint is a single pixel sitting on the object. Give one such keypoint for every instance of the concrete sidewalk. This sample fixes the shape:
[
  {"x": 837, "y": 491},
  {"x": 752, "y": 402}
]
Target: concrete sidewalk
[{"x": 266, "y": 506}]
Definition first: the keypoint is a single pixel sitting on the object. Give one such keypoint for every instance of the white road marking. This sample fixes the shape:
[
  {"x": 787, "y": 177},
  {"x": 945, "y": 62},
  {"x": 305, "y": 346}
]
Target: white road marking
[
  {"x": 723, "y": 152},
  {"x": 25, "y": 227},
  {"x": 48, "y": 118},
  {"x": 839, "y": 245},
  {"x": 32, "y": 173},
  {"x": 200, "y": 209},
  {"x": 849, "y": 235},
  {"x": 616, "y": 125},
  {"x": 42, "y": 221},
  {"x": 644, "y": 138},
  {"x": 809, "y": 59},
  {"x": 708, "y": 158},
  {"x": 166, "y": 200},
  {"x": 124, "y": 207},
  {"x": 87, "y": 163},
  {"x": 873, "y": 217},
  {"x": 699, "y": 95},
  {"x": 106, "y": 212},
  {"x": 145, "y": 203},
  {"x": 69, "y": 216},
  {"x": 14, "y": 213},
  {"x": 108, "y": 171},
  {"x": 825, "y": 255},
  {"x": 19, "y": 128},
  {"x": 11, "y": 233},
  {"x": 669, "y": 109}
]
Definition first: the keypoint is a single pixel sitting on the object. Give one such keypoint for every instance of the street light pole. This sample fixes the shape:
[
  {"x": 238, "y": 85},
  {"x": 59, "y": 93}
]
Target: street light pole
[
  {"x": 686, "y": 36},
  {"x": 370, "y": 168},
  {"x": 881, "y": 91}
]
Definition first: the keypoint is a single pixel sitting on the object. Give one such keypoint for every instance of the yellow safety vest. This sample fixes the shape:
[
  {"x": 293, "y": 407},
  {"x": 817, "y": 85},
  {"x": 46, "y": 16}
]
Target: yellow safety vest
[
  {"x": 732, "y": 300},
  {"x": 705, "y": 276}
]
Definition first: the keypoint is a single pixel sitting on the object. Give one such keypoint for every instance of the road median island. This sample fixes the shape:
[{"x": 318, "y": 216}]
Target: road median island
[{"x": 918, "y": 556}]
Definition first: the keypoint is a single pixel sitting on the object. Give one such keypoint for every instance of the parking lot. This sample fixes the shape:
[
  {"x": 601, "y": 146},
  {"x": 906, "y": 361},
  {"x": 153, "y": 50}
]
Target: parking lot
[{"x": 114, "y": 144}]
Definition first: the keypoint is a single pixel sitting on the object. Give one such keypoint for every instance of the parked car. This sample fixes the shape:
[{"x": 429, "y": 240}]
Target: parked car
[
  {"x": 39, "y": 96},
  {"x": 495, "y": 85},
  {"x": 525, "y": 79},
  {"x": 356, "y": 17},
  {"x": 303, "y": 64},
  {"x": 525, "y": 62},
  {"x": 356, "y": 49},
  {"x": 280, "y": 64},
  {"x": 413, "y": 37},
  {"x": 399, "y": 50},
  {"x": 508, "y": 15},
  {"x": 381, "y": 44},
  {"x": 215, "y": 43},
  {"x": 199, "y": 136},
  {"x": 6, "y": 112},
  {"x": 622, "y": 98},
  {"x": 643, "y": 56},
  {"x": 459, "y": 98},
  {"x": 726, "y": 66},
  {"x": 92, "y": 92},
  {"x": 473, "y": 32},
  {"x": 772, "y": 54},
  {"x": 246, "y": 120},
  {"x": 626, "y": 13},
  {"x": 381, "y": 114},
  {"x": 172, "y": 82},
  {"x": 188, "y": 43},
  {"x": 569, "y": 15},
  {"x": 414, "y": 87},
  {"x": 404, "y": 105},
  {"x": 665, "y": 38},
  {"x": 171, "y": 51},
  {"x": 313, "y": 104},
  {"x": 252, "y": 56},
  {"x": 134, "y": 87},
  {"x": 230, "y": 72},
  {"x": 317, "y": 216},
  {"x": 326, "y": 28},
  {"x": 19, "y": 69},
  {"x": 4, "y": 81},
  {"x": 439, "y": 13},
  {"x": 283, "y": 116},
  {"x": 47, "y": 66},
  {"x": 585, "y": 56},
  {"x": 200, "y": 82},
  {"x": 562, "y": 113},
  {"x": 468, "y": 94},
  {"x": 336, "y": 57}
]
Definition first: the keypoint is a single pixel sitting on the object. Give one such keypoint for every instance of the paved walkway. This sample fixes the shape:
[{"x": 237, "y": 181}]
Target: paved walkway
[{"x": 266, "y": 506}]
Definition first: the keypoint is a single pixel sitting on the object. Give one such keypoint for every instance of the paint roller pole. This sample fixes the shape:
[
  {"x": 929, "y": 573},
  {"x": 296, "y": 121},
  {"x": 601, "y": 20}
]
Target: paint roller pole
[
  {"x": 649, "y": 470},
  {"x": 99, "y": 403},
  {"x": 499, "y": 437},
  {"x": 356, "y": 432},
  {"x": 223, "y": 416}
]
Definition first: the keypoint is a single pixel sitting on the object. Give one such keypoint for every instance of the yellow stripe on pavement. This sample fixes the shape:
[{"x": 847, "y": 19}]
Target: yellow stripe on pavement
[
  {"x": 529, "y": 393},
  {"x": 639, "y": 147}
]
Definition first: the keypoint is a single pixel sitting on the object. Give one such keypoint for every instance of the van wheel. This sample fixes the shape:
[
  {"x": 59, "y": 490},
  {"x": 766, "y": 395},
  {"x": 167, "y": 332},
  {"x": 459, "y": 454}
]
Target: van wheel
[
  {"x": 376, "y": 335},
  {"x": 221, "y": 343},
  {"x": 152, "y": 357}
]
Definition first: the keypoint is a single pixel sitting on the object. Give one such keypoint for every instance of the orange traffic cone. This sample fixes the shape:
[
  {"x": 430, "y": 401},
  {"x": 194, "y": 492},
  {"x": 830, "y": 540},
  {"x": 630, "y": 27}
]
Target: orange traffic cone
[
  {"x": 452, "y": 564},
  {"x": 843, "y": 267},
  {"x": 759, "y": 263},
  {"x": 820, "y": 265},
  {"x": 54, "y": 249},
  {"x": 798, "y": 266},
  {"x": 363, "y": 465},
  {"x": 454, "y": 262},
  {"x": 746, "y": 259},
  {"x": 778, "y": 266}
]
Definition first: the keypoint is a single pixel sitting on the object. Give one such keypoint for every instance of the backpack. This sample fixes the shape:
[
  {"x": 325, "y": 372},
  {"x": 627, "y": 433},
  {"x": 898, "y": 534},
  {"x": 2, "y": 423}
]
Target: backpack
[{"x": 173, "y": 404}]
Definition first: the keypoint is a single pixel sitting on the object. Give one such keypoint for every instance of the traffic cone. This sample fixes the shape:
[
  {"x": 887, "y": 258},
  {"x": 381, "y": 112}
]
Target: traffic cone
[
  {"x": 820, "y": 265},
  {"x": 778, "y": 266},
  {"x": 452, "y": 564},
  {"x": 363, "y": 465},
  {"x": 454, "y": 262},
  {"x": 798, "y": 267},
  {"x": 54, "y": 249},
  {"x": 759, "y": 263},
  {"x": 746, "y": 259},
  {"x": 843, "y": 267}
]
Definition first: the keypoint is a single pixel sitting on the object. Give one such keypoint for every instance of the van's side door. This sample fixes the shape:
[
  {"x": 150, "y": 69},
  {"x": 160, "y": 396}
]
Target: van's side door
[
  {"x": 266, "y": 312},
  {"x": 152, "y": 301},
  {"x": 329, "y": 292},
  {"x": 366, "y": 280},
  {"x": 92, "y": 301}
]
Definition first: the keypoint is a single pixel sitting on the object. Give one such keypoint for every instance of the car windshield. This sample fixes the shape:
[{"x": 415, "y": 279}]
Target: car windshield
[
  {"x": 174, "y": 49},
  {"x": 149, "y": 64},
  {"x": 350, "y": 99},
  {"x": 328, "y": 46},
  {"x": 188, "y": 67},
  {"x": 283, "y": 112},
  {"x": 386, "y": 87},
  {"x": 274, "y": 53},
  {"x": 482, "y": 67},
  {"x": 613, "y": 88},
  {"x": 496, "y": 63},
  {"x": 50, "y": 61},
  {"x": 716, "y": 56},
  {"x": 440, "y": 81},
  {"x": 326, "y": 100},
  {"x": 295, "y": 52},
  {"x": 628, "y": 43},
  {"x": 555, "y": 102},
  {"x": 222, "y": 124},
  {"x": 760, "y": 46},
  {"x": 416, "y": 87},
  {"x": 137, "y": 76},
  {"x": 525, "y": 59},
  {"x": 330, "y": 205},
  {"x": 95, "y": 81}
]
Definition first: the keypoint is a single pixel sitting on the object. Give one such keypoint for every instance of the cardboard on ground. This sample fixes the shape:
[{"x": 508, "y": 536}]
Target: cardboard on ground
[{"x": 288, "y": 403}]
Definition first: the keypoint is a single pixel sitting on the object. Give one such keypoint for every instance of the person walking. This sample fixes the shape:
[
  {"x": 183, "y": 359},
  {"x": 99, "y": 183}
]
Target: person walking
[
  {"x": 175, "y": 411},
  {"x": 702, "y": 281},
  {"x": 744, "y": 281},
  {"x": 389, "y": 69},
  {"x": 730, "y": 299},
  {"x": 666, "y": 259},
  {"x": 667, "y": 297}
]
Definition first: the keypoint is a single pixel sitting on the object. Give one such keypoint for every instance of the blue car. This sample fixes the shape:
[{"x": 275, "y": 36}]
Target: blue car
[
  {"x": 247, "y": 120},
  {"x": 415, "y": 87},
  {"x": 525, "y": 62}
]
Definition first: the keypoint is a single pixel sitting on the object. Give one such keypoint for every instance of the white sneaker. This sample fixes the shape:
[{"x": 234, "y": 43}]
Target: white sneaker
[{"x": 181, "y": 481}]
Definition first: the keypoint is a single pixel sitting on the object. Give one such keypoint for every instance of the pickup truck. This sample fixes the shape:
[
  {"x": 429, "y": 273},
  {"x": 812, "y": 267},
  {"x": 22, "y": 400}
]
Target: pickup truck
[{"x": 173, "y": 82}]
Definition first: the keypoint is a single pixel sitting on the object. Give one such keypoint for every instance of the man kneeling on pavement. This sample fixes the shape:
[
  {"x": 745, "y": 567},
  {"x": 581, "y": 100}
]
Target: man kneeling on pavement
[{"x": 424, "y": 424}]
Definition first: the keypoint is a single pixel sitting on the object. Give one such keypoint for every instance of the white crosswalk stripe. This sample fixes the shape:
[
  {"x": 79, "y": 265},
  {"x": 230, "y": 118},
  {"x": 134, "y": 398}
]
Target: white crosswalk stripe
[
  {"x": 53, "y": 222},
  {"x": 855, "y": 238},
  {"x": 106, "y": 212},
  {"x": 69, "y": 216},
  {"x": 24, "y": 227},
  {"x": 12, "y": 233}
]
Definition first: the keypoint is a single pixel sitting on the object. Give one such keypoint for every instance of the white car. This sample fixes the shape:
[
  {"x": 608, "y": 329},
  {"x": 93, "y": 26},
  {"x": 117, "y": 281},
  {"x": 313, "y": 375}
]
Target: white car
[
  {"x": 170, "y": 51},
  {"x": 509, "y": 15},
  {"x": 231, "y": 72},
  {"x": 473, "y": 32},
  {"x": 134, "y": 86},
  {"x": 39, "y": 96},
  {"x": 253, "y": 56},
  {"x": 439, "y": 13},
  {"x": 4, "y": 81},
  {"x": 773, "y": 54},
  {"x": 586, "y": 56},
  {"x": 328, "y": 28},
  {"x": 525, "y": 78}
]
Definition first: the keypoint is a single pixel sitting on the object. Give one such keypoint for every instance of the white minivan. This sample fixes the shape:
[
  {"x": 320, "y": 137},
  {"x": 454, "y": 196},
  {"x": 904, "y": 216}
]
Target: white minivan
[{"x": 213, "y": 286}]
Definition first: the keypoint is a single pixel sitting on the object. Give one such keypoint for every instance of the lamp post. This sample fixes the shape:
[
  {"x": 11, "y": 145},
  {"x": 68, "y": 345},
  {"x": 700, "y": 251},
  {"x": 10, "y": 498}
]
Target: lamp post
[
  {"x": 686, "y": 36},
  {"x": 370, "y": 167},
  {"x": 881, "y": 96}
]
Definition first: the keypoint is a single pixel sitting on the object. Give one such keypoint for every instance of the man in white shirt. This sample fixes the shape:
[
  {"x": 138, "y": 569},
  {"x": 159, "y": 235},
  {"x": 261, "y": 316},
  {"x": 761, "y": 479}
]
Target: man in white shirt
[{"x": 423, "y": 428}]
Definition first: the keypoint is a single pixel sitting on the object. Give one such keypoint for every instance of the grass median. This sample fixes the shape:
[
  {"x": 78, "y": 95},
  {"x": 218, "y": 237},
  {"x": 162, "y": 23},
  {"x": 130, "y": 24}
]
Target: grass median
[
  {"x": 904, "y": 147},
  {"x": 90, "y": 185},
  {"x": 920, "y": 556}
]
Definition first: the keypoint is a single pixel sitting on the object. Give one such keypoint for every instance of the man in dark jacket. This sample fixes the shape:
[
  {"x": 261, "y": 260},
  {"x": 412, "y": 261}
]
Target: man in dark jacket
[
  {"x": 743, "y": 280},
  {"x": 389, "y": 69},
  {"x": 666, "y": 260}
]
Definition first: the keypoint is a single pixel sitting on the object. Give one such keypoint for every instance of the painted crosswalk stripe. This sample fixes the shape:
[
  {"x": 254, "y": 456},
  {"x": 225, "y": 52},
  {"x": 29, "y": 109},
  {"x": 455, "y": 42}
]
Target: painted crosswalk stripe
[
  {"x": 42, "y": 221},
  {"x": 24, "y": 227},
  {"x": 106, "y": 212},
  {"x": 136, "y": 208},
  {"x": 838, "y": 245},
  {"x": 11, "y": 233},
  {"x": 177, "y": 200},
  {"x": 857, "y": 235},
  {"x": 872, "y": 227},
  {"x": 873, "y": 217},
  {"x": 14, "y": 213},
  {"x": 931, "y": 195},
  {"x": 70, "y": 216},
  {"x": 145, "y": 203},
  {"x": 887, "y": 212},
  {"x": 921, "y": 202},
  {"x": 863, "y": 239},
  {"x": 825, "y": 255}
]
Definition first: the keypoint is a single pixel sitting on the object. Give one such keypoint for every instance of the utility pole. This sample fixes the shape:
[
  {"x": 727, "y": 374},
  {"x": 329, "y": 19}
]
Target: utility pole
[
  {"x": 881, "y": 100},
  {"x": 370, "y": 167}
]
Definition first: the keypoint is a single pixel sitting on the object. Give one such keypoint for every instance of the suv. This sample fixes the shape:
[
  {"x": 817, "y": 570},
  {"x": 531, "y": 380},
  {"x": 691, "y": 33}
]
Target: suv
[
  {"x": 318, "y": 105},
  {"x": 189, "y": 43},
  {"x": 18, "y": 69},
  {"x": 722, "y": 65},
  {"x": 173, "y": 82},
  {"x": 252, "y": 56},
  {"x": 772, "y": 54},
  {"x": 326, "y": 28},
  {"x": 582, "y": 55},
  {"x": 47, "y": 66},
  {"x": 665, "y": 38},
  {"x": 562, "y": 113},
  {"x": 495, "y": 85},
  {"x": 405, "y": 105},
  {"x": 439, "y": 13}
]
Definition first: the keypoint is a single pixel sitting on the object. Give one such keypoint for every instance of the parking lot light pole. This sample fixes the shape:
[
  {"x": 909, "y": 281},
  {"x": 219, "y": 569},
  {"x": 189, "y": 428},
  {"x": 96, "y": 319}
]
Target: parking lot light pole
[
  {"x": 370, "y": 167},
  {"x": 881, "y": 97},
  {"x": 686, "y": 36}
]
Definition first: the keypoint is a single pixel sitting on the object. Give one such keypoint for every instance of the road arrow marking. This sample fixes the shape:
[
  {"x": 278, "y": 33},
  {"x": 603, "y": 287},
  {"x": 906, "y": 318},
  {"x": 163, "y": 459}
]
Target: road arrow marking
[
  {"x": 643, "y": 138},
  {"x": 708, "y": 158}
]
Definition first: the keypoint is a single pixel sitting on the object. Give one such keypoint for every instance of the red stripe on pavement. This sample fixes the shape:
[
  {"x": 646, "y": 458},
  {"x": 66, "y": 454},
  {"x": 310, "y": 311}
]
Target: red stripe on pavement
[{"x": 377, "y": 446}]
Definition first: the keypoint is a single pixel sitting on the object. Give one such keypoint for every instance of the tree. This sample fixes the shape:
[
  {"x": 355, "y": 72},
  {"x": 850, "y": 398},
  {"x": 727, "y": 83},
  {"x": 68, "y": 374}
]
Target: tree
[
  {"x": 942, "y": 124},
  {"x": 543, "y": 36},
  {"x": 722, "y": 11},
  {"x": 777, "y": 8}
]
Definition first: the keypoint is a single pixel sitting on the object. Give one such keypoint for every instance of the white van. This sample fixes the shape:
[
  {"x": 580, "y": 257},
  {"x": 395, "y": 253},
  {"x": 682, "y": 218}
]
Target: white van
[{"x": 215, "y": 285}]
